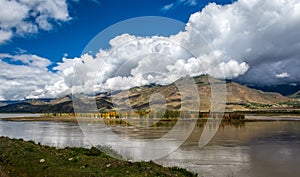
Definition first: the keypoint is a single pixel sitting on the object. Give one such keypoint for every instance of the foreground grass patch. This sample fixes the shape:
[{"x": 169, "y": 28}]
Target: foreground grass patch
[{"x": 21, "y": 158}]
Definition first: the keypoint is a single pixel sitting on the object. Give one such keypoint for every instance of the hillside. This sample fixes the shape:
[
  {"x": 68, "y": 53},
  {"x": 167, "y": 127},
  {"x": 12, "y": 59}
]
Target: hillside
[
  {"x": 239, "y": 97},
  {"x": 63, "y": 104},
  {"x": 295, "y": 95}
]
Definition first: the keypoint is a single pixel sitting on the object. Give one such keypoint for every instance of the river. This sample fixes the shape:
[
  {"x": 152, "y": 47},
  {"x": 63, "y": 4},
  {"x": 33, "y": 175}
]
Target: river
[{"x": 254, "y": 149}]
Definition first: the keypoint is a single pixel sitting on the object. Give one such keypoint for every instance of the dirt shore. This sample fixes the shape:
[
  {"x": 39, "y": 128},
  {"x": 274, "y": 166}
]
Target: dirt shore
[
  {"x": 273, "y": 118},
  {"x": 42, "y": 118}
]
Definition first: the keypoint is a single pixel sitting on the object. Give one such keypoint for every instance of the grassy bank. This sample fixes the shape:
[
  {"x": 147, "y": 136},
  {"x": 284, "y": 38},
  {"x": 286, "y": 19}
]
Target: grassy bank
[{"x": 21, "y": 158}]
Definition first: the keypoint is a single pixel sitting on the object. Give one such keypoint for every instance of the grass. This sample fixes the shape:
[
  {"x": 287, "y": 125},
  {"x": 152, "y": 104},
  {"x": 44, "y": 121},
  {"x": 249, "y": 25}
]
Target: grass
[{"x": 24, "y": 158}]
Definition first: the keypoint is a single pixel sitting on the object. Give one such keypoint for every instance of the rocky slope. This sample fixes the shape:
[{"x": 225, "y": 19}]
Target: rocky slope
[{"x": 238, "y": 97}]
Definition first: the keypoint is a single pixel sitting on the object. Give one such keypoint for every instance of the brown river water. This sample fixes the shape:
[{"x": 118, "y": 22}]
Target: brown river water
[{"x": 254, "y": 149}]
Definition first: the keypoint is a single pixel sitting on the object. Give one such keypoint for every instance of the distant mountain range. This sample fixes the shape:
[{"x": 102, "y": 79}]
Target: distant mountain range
[
  {"x": 239, "y": 97},
  {"x": 8, "y": 102},
  {"x": 296, "y": 95},
  {"x": 39, "y": 106},
  {"x": 284, "y": 89}
]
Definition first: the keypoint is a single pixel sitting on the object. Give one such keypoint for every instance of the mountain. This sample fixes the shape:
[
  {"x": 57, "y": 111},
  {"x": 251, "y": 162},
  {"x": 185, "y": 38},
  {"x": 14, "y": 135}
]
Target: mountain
[
  {"x": 63, "y": 104},
  {"x": 284, "y": 89},
  {"x": 8, "y": 102},
  {"x": 295, "y": 95},
  {"x": 239, "y": 97}
]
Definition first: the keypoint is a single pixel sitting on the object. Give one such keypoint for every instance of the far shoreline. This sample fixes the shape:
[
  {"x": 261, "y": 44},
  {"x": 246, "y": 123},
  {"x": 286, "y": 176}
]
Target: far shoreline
[
  {"x": 42, "y": 118},
  {"x": 248, "y": 118},
  {"x": 272, "y": 118}
]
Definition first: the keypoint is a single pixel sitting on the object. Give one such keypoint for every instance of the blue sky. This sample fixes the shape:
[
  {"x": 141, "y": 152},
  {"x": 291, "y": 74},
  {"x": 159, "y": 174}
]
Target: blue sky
[
  {"x": 41, "y": 42},
  {"x": 89, "y": 18}
]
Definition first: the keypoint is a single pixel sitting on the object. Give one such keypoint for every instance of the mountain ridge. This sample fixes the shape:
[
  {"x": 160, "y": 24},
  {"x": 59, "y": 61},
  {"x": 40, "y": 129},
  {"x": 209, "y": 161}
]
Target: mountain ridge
[{"x": 239, "y": 97}]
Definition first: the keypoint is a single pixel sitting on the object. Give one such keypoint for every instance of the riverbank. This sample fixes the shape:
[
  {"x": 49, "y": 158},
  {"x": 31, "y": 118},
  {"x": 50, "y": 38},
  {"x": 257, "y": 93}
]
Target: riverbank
[
  {"x": 272, "y": 118},
  {"x": 73, "y": 119},
  {"x": 23, "y": 158},
  {"x": 42, "y": 118}
]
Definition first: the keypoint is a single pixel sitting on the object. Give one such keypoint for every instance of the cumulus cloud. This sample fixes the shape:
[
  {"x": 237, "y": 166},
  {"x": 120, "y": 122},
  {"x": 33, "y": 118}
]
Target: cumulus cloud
[
  {"x": 29, "y": 16},
  {"x": 26, "y": 76},
  {"x": 5, "y": 35},
  {"x": 262, "y": 33},
  {"x": 253, "y": 42},
  {"x": 135, "y": 61},
  {"x": 283, "y": 75}
]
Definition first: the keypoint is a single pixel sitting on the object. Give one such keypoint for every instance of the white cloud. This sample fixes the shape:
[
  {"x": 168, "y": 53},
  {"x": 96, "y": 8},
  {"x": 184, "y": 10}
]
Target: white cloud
[
  {"x": 29, "y": 60},
  {"x": 262, "y": 33},
  {"x": 283, "y": 75},
  {"x": 26, "y": 79},
  {"x": 28, "y": 16},
  {"x": 190, "y": 2},
  {"x": 167, "y": 7},
  {"x": 5, "y": 36},
  {"x": 170, "y": 6},
  {"x": 253, "y": 41},
  {"x": 135, "y": 61}
]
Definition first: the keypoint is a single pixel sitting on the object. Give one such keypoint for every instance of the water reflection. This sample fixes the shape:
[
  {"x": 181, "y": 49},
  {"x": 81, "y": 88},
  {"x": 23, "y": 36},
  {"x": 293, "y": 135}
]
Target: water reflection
[
  {"x": 11, "y": 115},
  {"x": 58, "y": 134},
  {"x": 136, "y": 142},
  {"x": 251, "y": 149}
]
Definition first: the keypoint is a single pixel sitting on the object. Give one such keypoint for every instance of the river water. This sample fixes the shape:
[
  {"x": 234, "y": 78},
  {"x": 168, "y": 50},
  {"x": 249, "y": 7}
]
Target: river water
[{"x": 254, "y": 149}]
